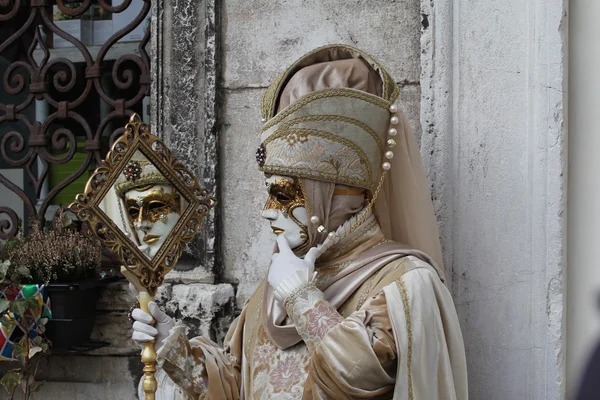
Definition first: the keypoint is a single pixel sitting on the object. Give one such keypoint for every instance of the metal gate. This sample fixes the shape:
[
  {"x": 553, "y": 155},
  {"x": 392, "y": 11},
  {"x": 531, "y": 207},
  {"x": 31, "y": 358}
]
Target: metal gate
[{"x": 70, "y": 80}]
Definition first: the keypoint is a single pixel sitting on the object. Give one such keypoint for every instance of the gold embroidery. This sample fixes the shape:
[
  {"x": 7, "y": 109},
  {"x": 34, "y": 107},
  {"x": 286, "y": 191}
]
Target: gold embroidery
[
  {"x": 402, "y": 288},
  {"x": 289, "y": 301},
  {"x": 254, "y": 323},
  {"x": 342, "y": 118},
  {"x": 313, "y": 316},
  {"x": 310, "y": 173},
  {"x": 328, "y": 93},
  {"x": 269, "y": 100},
  {"x": 281, "y": 133},
  {"x": 356, "y": 236}
]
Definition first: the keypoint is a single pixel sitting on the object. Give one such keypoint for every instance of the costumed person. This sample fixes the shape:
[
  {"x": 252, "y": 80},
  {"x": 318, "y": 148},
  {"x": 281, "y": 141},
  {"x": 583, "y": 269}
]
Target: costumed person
[
  {"x": 354, "y": 304},
  {"x": 149, "y": 206}
]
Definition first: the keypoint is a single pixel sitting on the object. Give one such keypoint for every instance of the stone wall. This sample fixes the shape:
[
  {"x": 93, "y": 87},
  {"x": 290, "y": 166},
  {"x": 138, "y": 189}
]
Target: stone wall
[{"x": 494, "y": 88}]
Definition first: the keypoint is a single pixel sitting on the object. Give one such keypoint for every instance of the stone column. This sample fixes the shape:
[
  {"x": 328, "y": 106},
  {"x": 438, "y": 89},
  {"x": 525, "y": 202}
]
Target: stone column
[
  {"x": 184, "y": 105},
  {"x": 493, "y": 107}
]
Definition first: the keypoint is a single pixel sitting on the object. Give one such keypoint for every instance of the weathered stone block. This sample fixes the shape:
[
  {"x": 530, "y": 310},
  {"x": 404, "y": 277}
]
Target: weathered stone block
[
  {"x": 84, "y": 377},
  {"x": 91, "y": 369},
  {"x": 114, "y": 327},
  {"x": 116, "y": 296},
  {"x": 262, "y": 37},
  {"x": 190, "y": 272},
  {"x": 206, "y": 310}
]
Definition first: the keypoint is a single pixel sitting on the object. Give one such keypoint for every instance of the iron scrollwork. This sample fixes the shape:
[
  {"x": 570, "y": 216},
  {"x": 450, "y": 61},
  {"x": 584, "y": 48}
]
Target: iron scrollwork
[{"x": 36, "y": 76}]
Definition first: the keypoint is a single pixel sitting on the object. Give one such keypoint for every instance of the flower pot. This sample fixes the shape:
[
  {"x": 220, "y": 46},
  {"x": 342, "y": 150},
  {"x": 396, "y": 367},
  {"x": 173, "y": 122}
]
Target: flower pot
[{"x": 73, "y": 312}]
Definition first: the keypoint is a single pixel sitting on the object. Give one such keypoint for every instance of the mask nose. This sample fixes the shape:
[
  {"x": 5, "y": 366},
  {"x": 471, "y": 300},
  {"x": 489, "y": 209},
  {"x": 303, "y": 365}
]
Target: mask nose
[
  {"x": 269, "y": 215},
  {"x": 143, "y": 226}
]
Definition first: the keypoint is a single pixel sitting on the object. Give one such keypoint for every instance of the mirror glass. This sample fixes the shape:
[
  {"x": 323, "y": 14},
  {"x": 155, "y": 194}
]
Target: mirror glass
[{"x": 143, "y": 204}]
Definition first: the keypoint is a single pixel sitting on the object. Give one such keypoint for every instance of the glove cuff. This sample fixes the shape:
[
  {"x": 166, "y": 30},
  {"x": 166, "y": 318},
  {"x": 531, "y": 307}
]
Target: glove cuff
[
  {"x": 176, "y": 334},
  {"x": 292, "y": 283}
]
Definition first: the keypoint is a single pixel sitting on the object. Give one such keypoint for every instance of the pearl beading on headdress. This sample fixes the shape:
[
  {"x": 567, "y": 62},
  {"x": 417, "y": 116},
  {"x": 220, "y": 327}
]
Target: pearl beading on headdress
[{"x": 389, "y": 154}]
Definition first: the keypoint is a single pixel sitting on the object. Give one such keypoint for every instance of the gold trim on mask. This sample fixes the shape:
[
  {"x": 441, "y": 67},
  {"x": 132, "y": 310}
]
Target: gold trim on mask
[
  {"x": 152, "y": 207},
  {"x": 286, "y": 195}
]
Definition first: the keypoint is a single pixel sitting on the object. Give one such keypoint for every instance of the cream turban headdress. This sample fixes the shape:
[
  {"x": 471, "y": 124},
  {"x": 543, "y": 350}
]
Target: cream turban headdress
[{"x": 339, "y": 123}]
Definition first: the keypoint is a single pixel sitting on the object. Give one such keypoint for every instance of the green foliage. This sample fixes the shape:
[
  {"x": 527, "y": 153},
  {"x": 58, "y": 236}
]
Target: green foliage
[
  {"x": 11, "y": 380},
  {"x": 60, "y": 16}
]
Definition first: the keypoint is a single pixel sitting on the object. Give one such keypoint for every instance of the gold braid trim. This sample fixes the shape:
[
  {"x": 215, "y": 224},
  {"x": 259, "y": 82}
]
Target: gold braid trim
[
  {"x": 402, "y": 289},
  {"x": 154, "y": 178},
  {"x": 325, "y": 135},
  {"x": 310, "y": 173},
  {"x": 252, "y": 325},
  {"x": 353, "y": 121},
  {"x": 269, "y": 98},
  {"x": 328, "y": 93}
]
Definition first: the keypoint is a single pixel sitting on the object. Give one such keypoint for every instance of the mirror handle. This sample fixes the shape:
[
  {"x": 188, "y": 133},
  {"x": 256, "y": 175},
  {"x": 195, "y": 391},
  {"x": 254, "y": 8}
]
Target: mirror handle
[{"x": 148, "y": 353}]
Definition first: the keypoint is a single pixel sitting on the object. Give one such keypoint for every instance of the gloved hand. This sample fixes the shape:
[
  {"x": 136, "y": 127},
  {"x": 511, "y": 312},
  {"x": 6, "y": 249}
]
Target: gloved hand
[
  {"x": 144, "y": 332},
  {"x": 287, "y": 271}
]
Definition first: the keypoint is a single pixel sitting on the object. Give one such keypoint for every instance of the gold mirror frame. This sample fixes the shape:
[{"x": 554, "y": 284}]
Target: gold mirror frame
[{"x": 137, "y": 137}]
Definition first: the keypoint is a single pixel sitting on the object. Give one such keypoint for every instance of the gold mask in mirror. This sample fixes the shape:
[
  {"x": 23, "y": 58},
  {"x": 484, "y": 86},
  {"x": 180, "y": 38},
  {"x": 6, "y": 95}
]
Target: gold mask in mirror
[
  {"x": 149, "y": 205},
  {"x": 144, "y": 205}
]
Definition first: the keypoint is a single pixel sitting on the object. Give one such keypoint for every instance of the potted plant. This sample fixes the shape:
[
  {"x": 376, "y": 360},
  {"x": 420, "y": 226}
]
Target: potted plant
[
  {"x": 24, "y": 311},
  {"x": 66, "y": 260}
]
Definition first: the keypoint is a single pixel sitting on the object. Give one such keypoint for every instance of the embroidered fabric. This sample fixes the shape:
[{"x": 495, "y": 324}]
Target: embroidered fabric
[
  {"x": 312, "y": 314},
  {"x": 184, "y": 364}
]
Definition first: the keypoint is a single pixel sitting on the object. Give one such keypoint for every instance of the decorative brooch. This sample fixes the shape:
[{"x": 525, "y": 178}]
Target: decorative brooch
[
  {"x": 132, "y": 171},
  {"x": 261, "y": 155}
]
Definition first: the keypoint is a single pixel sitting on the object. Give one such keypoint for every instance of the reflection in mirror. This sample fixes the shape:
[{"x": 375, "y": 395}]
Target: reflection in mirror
[{"x": 144, "y": 205}]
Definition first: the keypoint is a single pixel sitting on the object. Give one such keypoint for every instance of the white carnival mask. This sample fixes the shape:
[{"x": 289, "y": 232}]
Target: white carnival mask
[
  {"x": 152, "y": 213},
  {"x": 285, "y": 209}
]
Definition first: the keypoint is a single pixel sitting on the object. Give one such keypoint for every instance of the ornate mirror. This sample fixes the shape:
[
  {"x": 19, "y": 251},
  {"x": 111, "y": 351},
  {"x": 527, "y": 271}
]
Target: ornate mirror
[{"x": 144, "y": 206}]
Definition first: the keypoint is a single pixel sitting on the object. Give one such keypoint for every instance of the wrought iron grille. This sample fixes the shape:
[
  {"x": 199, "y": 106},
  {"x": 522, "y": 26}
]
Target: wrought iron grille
[{"x": 63, "y": 99}]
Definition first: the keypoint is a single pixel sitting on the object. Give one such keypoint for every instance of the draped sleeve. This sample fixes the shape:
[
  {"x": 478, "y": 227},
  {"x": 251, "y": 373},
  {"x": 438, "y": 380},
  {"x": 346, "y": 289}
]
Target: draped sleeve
[
  {"x": 403, "y": 342},
  {"x": 427, "y": 333},
  {"x": 200, "y": 367},
  {"x": 357, "y": 357},
  {"x": 353, "y": 357}
]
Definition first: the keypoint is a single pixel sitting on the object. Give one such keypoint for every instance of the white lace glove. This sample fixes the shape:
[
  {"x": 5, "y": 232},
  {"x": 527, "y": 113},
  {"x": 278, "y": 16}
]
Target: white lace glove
[
  {"x": 144, "y": 332},
  {"x": 289, "y": 272}
]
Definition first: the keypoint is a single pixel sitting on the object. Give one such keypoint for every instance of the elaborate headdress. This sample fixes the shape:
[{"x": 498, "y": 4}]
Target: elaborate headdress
[
  {"x": 138, "y": 173},
  {"x": 332, "y": 117},
  {"x": 338, "y": 134}
]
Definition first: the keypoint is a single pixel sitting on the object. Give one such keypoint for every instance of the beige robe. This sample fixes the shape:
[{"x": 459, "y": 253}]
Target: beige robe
[{"x": 396, "y": 337}]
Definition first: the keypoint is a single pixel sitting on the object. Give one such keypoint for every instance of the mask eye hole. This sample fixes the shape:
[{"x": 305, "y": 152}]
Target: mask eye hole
[
  {"x": 134, "y": 212},
  {"x": 156, "y": 206},
  {"x": 282, "y": 197}
]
